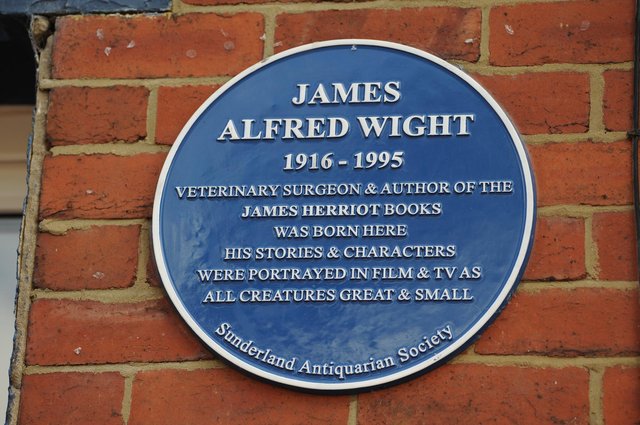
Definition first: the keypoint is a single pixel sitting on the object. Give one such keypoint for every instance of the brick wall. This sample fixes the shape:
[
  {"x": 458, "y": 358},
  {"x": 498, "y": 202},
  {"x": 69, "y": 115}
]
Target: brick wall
[{"x": 98, "y": 343}]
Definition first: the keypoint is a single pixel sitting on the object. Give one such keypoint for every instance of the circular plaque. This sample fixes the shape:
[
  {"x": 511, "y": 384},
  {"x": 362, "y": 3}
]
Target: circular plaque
[{"x": 343, "y": 215}]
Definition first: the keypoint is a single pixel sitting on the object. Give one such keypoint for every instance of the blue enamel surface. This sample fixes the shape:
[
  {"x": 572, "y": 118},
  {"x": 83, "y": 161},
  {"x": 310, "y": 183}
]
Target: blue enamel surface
[{"x": 488, "y": 230}]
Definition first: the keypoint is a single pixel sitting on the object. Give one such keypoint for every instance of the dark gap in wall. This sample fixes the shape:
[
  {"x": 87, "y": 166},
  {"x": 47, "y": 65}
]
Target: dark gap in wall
[{"x": 18, "y": 67}]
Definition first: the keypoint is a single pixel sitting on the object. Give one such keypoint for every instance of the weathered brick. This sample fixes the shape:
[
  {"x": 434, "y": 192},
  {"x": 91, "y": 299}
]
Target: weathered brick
[
  {"x": 139, "y": 46},
  {"x": 463, "y": 394},
  {"x": 544, "y": 102},
  {"x": 96, "y": 258},
  {"x": 71, "y": 398},
  {"x": 583, "y": 173},
  {"x": 80, "y": 115},
  {"x": 571, "y": 32},
  {"x": 175, "y": 107},
  {"x": 621, "y": 396},
  {"x": 618, "y": 100},
  {"x": 577, "y": 322},
  {"x": 88, "y": 332},
  {"x": 224, "y": 396},
  {"x": 99, "y": 186},
  {"x": 558, "y": 250},
  {"x": 614, "y": 235},
  {"x": 457, "y": 35}
]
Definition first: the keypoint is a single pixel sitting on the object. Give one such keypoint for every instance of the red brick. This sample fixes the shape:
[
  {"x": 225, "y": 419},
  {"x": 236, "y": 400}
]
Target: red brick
[
  {"x": 175, "y": 107},
  {"x": 543, "y": 103},
  {"x": 88, "y": 332},
  {"x": 96, "y": 258},
  {"x": 71, "y": 398},
  {"x": 578, "y": 322},
  {"x": 558, "y": 250},
  {"x": 583, "y": 173},
  {"x": 80, "y": 115},
  {"x": 622, "y": 396},
  {"x": 99, "y": 186},
  {"x": 618, "y": 100},
  {"x": 415, "y": 27},
  {"x": 614, "y": 235},
  {"x": 478, "y": 394},
  {"x": 224, "y": 396},
  {"x": 140, "y": 46},
  {"x": 562, "y": 32}
]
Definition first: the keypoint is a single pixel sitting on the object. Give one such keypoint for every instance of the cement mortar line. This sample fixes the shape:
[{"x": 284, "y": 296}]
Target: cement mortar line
[
  {"x": 127, "y": 398},
  {"x": 181, "y": 7},
  {"x": 145, "y": 147},
  {"x": 60, "y": 227},
  {"x": 542, "y": 361},
  {"x": 128, "y": 295},
  {"x": 580, "y": 211},
  {"x": 483, "y": 60},
  {"x": 601, "y": 137},
  {"x": 352, "y": 419},
  {"x": 596, "y": 408},
  {"x": 134, "y": 294},
  {"x": 143, "y": 258},
  {"x": 533, "y": 287},
  {"x": 127, "y": 369},
  {"x": 269, "y": 34},
  {"x": 469, "y": 357},
  {"x": 177, "y": 8},
  {"x": 13, "y": 406},
  {"x": 128, "y": 149},
  {"x": 44, "y": 64},
  {"x": 577, "y": 68},
  {"x": 298, "y": 8},
  {"x": 470, "y": 67},
  {"x": 26, "y": 252},
  {"x": 150, "y": 83},
  {"x": 591, "y": 257},
  {"x": 152, "y": 115},
  {"x": 596, "y": 101},
  {"x": 119, "y": 149}
]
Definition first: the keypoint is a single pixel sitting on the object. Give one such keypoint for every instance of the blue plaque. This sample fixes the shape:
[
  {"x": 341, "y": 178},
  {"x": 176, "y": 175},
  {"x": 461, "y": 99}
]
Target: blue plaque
[{"x": 344, "y": 215}]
